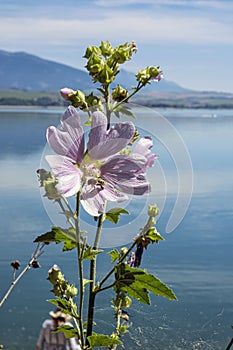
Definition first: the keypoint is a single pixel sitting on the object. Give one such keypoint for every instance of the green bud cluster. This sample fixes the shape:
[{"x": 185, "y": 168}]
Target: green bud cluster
[
  {"x": 144, "y": 76},
  {"x": 61, "y": 287},
  {"x": 78, "y": 99},
  {"x": 94, "y": 102},
  {"x": 122, "y": 300},
  {"x": 103, "y": 61}
]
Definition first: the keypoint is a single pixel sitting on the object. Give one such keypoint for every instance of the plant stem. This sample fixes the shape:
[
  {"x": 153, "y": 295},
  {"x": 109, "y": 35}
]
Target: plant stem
[
  {"x": 107, "y": 101},
  {"x": 122, "y": 258},
  {"x": 63, "y": 209},
  {"x": 139, "y": 87},
  {"x": 80, "y": 268},
  {"x": 35, "y": 255},
  {"x": 92, "y": 292}
]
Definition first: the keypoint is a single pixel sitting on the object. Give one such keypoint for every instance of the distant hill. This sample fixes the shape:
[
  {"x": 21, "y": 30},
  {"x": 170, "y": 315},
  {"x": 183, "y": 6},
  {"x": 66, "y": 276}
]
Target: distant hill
[{"x": 23, "y": 71}]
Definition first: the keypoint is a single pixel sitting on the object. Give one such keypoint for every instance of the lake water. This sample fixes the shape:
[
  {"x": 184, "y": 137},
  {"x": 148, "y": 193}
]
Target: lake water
[{"x": 195, "y": 259}]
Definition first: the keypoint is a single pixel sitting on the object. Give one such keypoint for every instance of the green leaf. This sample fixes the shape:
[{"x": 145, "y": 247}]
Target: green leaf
[
  {"x": 113, "y": 214},
  {"x": 154, "y": 235},
  {"x": 102, "y": 340},
  {"x": 123, "y": 329},
  {"x": 114, "y": 255},
  {"x": 136, "y": 292},
  {"x": 68, "y": 307},
  {"x": 59, "y": 235},
  {"x": 137, "y": 282},
  {"x": 90, "y": 254},
  {"x": 126, "y": 110},
  {"x": 69, "y": 331},
  {"x": 117, "y": 114}
]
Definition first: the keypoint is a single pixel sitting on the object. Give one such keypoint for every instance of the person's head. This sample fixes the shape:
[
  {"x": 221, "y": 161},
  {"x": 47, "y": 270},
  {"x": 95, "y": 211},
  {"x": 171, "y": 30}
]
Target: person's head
[
  {"x": 59, "y": 317},
  {"x": 60, "y": 320}
]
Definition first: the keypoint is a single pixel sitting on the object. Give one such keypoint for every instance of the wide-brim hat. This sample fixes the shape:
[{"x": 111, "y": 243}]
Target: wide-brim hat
[{"x": 59, "y": 314}]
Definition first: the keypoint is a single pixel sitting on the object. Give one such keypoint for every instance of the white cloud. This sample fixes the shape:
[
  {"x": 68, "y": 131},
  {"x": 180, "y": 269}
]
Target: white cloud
[
  {"x": 215, "y": 4},
  {"x": 115, "y": 26}
]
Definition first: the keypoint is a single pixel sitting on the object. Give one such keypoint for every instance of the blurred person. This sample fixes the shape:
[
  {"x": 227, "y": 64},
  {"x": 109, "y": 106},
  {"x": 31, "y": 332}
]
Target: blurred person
[{"x": 56, "y": 341}]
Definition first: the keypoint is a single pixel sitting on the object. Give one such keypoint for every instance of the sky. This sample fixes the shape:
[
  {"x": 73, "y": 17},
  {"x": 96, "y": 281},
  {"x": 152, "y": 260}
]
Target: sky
[{"x": 191, "y": 40}]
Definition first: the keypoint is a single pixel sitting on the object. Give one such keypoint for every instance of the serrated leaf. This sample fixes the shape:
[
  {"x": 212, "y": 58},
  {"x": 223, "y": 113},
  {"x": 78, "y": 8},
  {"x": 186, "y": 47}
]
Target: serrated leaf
[
  {"x": 65, "y": 305},
  {"x": 117, "y": 114},
  {"x": 90, "y": 254},
  {"x": 136, "y": 281},
  {"x": 114, "y": 255},
  {"x": 69, "y": 331},
  {"x": 136, "y": 292},
  {"x": 154, "y": 235},
  {"x": 102, "y": 340},
  {"x": 126, "y": 111},
  {"x": 59, "y": 235},
  {"x": 113, "y": 214}
]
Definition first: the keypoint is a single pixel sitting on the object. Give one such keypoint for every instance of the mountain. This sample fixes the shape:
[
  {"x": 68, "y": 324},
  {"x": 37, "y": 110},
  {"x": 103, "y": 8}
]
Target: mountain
[{"x": 23, "y": 71}]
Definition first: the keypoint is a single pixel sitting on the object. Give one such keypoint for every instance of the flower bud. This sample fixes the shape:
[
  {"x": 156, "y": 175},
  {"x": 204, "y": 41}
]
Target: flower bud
[
  {"x": 106, "y": 75},
  {"x": 106, "y": 48},
  {"x": 15, "y": 264},
  {"x": 92, "y": 50},
  {"x": 153, "y": 210},
  {"x": 66, "y": 93},
  {"x": 71, "y": 291},
  {"x": 149, "y": 73},
  {"x": 119, "y": 93},
  {"x": 153, "y": 71},
  {"x": 143, "y": 76},
  {"x": 123, "y": 52},
  {"x": 93, "y": 101},
  {"x": 35, "y": 264},
  {"x": 50, "y": 189},
  {"x": 43, "y": 175},
  {"x": 55, "y": 275},
  {"x": 94, "y": 64},
  {"x": 78, "y": 100}
]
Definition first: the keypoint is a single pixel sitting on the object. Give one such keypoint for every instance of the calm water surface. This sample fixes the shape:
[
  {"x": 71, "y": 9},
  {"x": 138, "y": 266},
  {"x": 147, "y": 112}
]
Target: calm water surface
[{"x": 195, "y": 259}]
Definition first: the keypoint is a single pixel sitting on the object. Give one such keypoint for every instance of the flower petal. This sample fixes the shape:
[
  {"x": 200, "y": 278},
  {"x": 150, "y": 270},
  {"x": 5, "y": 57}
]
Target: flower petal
[
  {"x": 143, "y": 147},
  {"x": 93, "y": 197},
  {"x": 69, "y": 140},
  {"x": 104, "y": 143},
  {"x": 67, "y": 175},
  {"x": 91, "y": 200},
  {"x": 123, "y": 172}
]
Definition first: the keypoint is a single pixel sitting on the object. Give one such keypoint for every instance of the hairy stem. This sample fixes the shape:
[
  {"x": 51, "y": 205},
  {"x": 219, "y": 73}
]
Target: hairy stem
[
  {"x": 80, "y": 268},
  {"x": 135, "y": 91},
  {"x": 122, "y": 258},
  {"x": 92, "y": 292},
  {"x": 64, "y": 211}
]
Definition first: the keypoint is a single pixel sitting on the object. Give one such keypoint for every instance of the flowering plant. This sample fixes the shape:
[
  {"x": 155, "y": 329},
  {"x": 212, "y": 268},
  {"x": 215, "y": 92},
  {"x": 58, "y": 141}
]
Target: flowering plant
[{"x": 107, "y": 166}]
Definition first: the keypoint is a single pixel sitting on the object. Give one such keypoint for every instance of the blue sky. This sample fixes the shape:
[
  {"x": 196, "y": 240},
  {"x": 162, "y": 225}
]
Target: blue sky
[{"x": 192, "y": 40}]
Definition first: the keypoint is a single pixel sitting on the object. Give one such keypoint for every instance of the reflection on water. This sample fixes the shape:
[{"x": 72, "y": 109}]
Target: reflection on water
[{"x": 195, "y": 259}]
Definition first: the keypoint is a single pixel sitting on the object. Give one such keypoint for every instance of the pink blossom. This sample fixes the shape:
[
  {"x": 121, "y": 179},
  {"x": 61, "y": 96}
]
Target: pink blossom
[{"x": 100, "y": 173}]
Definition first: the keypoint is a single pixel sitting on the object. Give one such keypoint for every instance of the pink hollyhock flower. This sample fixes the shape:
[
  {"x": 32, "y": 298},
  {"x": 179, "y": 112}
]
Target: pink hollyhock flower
[{"x": 101, "y": 173}]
